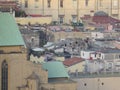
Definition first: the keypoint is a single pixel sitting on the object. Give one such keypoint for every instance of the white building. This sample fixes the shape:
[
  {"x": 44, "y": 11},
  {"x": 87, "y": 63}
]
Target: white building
[
  {"x": 86, "y": 54},
  {"x": 93, "y": 66}
]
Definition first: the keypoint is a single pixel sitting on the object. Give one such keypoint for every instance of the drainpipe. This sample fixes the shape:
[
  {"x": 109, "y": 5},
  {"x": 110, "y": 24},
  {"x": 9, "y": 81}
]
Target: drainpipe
[
  {"x": 58, "y": 11},
  {"x": 43, "y": 7},
  {"x": 77, "y": 10}
]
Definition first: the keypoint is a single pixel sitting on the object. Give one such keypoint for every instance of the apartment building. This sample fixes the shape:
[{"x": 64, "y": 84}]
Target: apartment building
[{"x": 65, "y": 11}]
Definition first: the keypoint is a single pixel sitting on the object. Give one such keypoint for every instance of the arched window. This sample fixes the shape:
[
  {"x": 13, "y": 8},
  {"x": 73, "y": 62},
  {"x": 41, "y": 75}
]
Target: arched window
[{"x": 4, "y": 76}]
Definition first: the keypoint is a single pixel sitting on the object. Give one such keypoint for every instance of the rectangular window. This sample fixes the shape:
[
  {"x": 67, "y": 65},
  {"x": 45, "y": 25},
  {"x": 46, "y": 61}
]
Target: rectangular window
[
  {"x": 115, "y": 3},
  {"x": 26, "y": 3},
  {"x": 61, "y": 3},
  {"x": 74, "y": 18},
  {"x": 36, "y": 0},
  {"x": 61, "y": 19},
  {"x": 86, "y": 2},
  {"x": 101, "y": 1},
  {"x": 36, "y": 5},
  {"x": 115, "y": 15},
  {"x": 119, "y": 56},
  {"x": 49, "y": 3},
  {"x": 95, "y": 55},
  {"x": 99, "y": 55},
  {"x": 83, "y": 54}
]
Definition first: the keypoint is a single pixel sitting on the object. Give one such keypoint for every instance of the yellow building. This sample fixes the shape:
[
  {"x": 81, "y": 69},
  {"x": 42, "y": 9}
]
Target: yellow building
[
  {"x": 74, "y": 65},
  {"x": 17, "y": 73},
  {"x": 66, "y": 11}
]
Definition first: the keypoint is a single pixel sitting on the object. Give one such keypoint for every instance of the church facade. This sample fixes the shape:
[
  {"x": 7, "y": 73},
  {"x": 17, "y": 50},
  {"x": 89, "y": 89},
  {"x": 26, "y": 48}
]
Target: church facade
[{"x": 16, "y": 72}]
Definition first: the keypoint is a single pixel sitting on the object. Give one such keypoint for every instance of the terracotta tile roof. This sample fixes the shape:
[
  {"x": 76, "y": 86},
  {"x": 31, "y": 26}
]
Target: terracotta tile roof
[
  {"x": 86, "y": 17},
  {"x": 39, "y": 15},
  {"x": 8, "y": 3},
  {"x": 72, "y": 61},
  {"x": 104, "y": 19},
  {"x": 101, "y": 19}
]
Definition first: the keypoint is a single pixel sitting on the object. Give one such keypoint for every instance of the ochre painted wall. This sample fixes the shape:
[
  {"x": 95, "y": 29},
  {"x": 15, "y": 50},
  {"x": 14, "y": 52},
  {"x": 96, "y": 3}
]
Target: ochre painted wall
[
  {"x": 39, "y": 20},
  {"x": 72, "y": 7}
]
